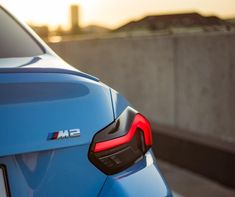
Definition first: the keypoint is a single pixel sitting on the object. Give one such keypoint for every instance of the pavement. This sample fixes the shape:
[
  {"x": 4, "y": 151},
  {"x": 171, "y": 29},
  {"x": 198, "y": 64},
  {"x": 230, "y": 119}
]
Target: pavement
[{"x": 188, "y": 184}]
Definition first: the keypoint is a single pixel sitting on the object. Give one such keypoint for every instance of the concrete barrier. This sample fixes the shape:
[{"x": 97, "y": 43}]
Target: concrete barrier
[{"x": 184, "y": 81}]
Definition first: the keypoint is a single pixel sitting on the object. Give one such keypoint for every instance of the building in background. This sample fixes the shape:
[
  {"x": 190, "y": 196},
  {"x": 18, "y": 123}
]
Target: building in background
[
  {"x": 74, "y": 19},
  {"x": 169, "y": 23},
  {"x": 178, "y": 23}
]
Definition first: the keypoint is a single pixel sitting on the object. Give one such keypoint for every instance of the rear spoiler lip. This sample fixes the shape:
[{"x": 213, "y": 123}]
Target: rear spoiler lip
[{"x": 48, "y": 70}]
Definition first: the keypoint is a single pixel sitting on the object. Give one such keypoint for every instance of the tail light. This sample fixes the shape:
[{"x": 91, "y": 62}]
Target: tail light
[{"x": 122, "y": 143}]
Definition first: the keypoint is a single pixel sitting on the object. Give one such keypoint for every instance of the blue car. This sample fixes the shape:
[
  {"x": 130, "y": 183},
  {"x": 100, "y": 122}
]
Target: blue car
[{"x": 63, "y": 132}]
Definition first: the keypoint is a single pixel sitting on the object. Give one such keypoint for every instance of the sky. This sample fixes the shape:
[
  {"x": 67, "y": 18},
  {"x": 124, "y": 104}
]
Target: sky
[{"x": 111, "y": 13}]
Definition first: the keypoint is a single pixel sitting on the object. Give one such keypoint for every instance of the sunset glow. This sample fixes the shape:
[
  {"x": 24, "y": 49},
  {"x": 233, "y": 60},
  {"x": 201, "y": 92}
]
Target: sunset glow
[{"x": 111, "y": 13}]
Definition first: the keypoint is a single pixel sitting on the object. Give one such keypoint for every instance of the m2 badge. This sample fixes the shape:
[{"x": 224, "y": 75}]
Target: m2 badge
[{"x": 64, "y": 134}]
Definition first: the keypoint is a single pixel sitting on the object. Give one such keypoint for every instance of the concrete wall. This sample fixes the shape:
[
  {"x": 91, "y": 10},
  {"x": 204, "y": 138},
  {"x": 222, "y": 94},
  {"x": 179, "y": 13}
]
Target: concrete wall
[{"x": 185, "y": 81}]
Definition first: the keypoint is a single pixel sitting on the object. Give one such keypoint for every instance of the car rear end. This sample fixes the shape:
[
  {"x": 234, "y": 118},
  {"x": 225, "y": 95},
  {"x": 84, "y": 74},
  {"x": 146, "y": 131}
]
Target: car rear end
[
  {"x": 40, "y": 154},
  {"x": 63, "y": 132}
]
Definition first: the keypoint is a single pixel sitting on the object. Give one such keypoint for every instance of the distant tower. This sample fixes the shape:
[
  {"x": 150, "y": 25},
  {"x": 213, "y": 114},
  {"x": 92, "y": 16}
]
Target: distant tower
[{"x": 74, "y": 18}]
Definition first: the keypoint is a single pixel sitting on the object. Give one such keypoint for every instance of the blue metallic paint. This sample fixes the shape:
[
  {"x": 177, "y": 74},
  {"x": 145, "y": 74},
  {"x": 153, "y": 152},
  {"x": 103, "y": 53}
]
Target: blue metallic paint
[
  {"x": 142, "y": 179},
  {"x": 59, "y": 172},
  {"x": 37, "y": 167},
  {"x": 90, "y": 110},
  {"x": 119, "y": 103}
]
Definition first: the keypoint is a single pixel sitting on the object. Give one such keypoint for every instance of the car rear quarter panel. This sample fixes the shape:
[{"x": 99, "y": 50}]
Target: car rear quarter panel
[
  {"x": 142, "y": 179},
  {"x": 34, "y": 105}
]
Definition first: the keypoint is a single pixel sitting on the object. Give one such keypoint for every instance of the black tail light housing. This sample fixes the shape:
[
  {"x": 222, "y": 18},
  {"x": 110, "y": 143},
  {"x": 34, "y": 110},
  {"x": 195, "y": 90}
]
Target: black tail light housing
[{"x": 122, "y": 143}]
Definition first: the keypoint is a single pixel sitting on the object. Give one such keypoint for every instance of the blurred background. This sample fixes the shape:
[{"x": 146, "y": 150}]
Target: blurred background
[{"x": 175, "y": 62}]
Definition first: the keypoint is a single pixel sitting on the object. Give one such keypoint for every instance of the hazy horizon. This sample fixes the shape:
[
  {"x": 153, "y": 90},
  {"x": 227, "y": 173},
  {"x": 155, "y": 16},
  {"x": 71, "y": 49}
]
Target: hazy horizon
[{"x": 112, "y": 13}]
